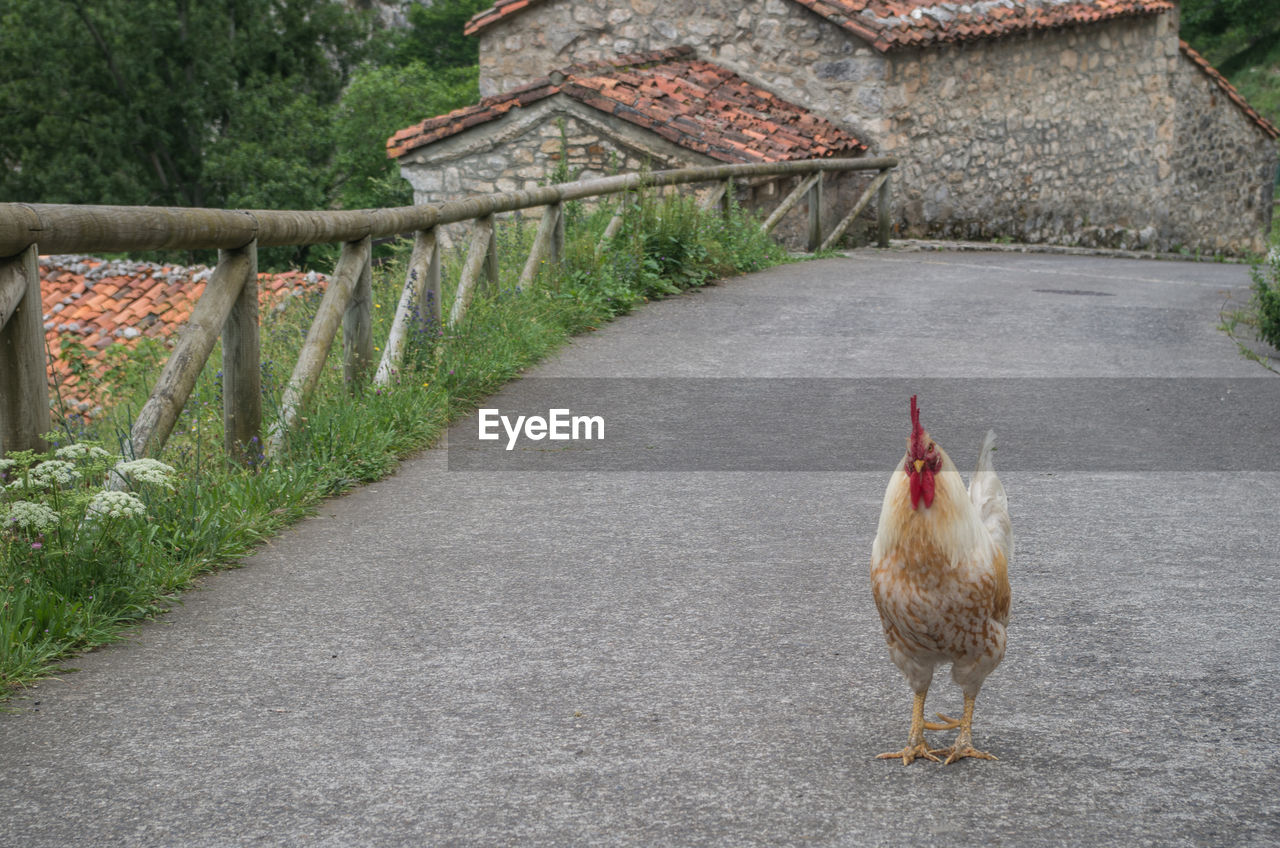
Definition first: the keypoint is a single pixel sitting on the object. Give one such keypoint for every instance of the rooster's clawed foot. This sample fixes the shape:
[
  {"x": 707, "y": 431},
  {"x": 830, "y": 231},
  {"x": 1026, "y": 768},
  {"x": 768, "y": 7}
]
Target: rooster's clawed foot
[
  {"x": 959, "y": 752},
  {"x": 910, "y": 753}
]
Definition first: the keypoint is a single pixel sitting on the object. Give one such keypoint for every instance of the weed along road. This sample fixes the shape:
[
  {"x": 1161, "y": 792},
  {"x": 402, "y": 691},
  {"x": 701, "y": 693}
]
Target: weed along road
[{"x": 665, "y": 635}]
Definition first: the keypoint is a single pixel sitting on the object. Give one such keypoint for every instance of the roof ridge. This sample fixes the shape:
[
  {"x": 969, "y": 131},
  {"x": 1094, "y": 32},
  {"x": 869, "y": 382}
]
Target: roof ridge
[
  {"x": 1232, "y": 93},
  {"x": 440, "y": 126},
  {"x": 622, "y": 63}
]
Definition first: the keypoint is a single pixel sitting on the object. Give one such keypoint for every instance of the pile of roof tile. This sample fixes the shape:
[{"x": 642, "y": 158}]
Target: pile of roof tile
[{"x": 92, "y": 305}]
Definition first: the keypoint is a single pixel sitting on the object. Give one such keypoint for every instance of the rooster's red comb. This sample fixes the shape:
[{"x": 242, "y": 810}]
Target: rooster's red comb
[{"x": 917, "y": 432}]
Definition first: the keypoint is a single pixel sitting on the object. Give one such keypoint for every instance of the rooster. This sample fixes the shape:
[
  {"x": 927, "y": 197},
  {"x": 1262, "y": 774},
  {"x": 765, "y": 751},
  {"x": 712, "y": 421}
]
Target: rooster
[{"x": 939, "y": 575}]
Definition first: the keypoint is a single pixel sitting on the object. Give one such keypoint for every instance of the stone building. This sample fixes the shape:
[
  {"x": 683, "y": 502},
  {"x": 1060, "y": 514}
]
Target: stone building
[
  {"x": 1045, "y": 120},
  {"x": 657, "y": 110}
]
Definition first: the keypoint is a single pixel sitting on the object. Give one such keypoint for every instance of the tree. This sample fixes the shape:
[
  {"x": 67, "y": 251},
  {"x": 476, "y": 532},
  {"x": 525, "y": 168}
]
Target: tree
[
  {"x": 380, "y": 101},
  {"x": 1232, "y": 33},
  {"x": 172, "y": 102},
  {"x": 423, "y": 70},
  {"x": 435, "y": 36}
]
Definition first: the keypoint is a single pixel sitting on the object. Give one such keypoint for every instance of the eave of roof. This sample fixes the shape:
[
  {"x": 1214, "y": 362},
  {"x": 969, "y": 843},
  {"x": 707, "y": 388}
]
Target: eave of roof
[
  {"x": 891, "y": 24},
  {"x": 1230, "y": 90},
  {"x": 691, "y": 103}
]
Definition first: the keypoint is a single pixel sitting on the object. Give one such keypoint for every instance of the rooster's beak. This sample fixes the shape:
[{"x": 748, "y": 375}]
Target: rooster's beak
[{"x": 919, "y": 464}]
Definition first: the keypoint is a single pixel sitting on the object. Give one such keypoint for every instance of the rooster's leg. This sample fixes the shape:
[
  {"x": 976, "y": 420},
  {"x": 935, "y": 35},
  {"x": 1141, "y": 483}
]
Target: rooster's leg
[
  {"x": 963, "y": 746},
  {"x": 916, "y": 746}
]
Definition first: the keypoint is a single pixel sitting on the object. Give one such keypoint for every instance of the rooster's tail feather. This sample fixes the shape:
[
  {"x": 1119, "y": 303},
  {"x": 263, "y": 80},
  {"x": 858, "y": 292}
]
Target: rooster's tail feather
[{"x": 988, "y": 495}]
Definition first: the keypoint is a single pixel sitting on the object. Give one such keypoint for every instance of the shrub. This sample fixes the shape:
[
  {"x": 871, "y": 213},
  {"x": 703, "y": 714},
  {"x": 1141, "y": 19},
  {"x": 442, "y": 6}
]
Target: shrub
[{"x": 1266, "y": 285}]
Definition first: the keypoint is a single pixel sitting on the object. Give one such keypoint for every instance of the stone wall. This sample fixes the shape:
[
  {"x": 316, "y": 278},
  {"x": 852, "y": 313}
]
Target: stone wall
[
  {"x": 776, "y": 44},
  {"x": 1224, "y": 170},
  {"x": 1100, "y": 135},
  {"x": 524, "y": 148},
  {"x": 1064, "y": 136}
]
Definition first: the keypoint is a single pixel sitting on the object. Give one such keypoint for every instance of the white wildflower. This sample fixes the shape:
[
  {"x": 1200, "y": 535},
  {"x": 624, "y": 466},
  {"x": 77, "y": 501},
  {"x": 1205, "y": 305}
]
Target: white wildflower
[
  {"x": 6, "y": 464},
  {"x": 31, "y": 516},
  {"x": 115, "y": 505},
  {"x": 81, "y": 451},
  {"x": 54, "y": 472},
  {"x": 146, "y": 471}
]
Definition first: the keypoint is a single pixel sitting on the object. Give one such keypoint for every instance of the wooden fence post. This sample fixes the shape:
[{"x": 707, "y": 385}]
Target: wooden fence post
[
  {"x": 557, "y": 239},
  {"x": 421, "y": 295},
  {"x": 834, "y": 236},
  {"x": 242, "y": 363},
  {"x": 195, "y": 341},
  {"x": 615, "y": 223},
  {"x": 489, "y": 271},
  {"x": 815, "y": 214},
  {"x": 788, "y": 202},
  {"x": 24, "y": 383},
  {"x": 882, "y": 211},
  {"x": 352, "y": 264},
  {"x": 477, "y": 257},
  {"x": 431, "y": 309},
  {"x": 544, "y": 246},
  {"x": 716, "y": 198},
  {"x": 357, "y": 324}
]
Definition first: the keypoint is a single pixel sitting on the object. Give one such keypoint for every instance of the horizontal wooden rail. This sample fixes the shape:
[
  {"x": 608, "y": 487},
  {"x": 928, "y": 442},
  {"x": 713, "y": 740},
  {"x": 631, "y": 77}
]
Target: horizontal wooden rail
[
  {"x": 60, "y": 228},
  {"x": 230, "y": 301}
]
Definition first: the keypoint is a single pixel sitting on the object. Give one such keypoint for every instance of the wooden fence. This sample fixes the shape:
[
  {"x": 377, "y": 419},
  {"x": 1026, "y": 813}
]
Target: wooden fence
[{"x": 229, "y": 305}]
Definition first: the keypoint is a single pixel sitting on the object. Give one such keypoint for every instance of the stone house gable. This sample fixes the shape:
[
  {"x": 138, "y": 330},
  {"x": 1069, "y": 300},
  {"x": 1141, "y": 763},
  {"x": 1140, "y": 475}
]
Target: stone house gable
[
  {"x": 693, "y": 104},
  {"x": 658, "y": 110},
  {"x": 1048, "y": 120}
]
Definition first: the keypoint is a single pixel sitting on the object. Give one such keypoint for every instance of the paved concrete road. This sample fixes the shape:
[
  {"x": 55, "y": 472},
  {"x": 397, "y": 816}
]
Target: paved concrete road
[{"x": 690, "y": 656}]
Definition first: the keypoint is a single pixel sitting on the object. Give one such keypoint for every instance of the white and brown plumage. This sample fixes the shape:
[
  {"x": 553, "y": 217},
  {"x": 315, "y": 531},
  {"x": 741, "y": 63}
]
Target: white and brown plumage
[{"x": 939, "y": 575}]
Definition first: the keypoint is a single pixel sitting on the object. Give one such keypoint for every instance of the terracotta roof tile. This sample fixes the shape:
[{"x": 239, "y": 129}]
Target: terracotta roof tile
[
  {"x": 100, "y": 304},
  {"x": 1230, "y": 90},
  {"x": 690, "y": 102},
  {"x": 442, "y": 126},
  {"x": 899, "y": 23},
  {"x": 887, "y": 24}
]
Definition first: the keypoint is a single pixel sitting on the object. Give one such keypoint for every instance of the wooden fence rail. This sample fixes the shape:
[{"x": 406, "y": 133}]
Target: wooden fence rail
[{"x": 229, "y": 305}]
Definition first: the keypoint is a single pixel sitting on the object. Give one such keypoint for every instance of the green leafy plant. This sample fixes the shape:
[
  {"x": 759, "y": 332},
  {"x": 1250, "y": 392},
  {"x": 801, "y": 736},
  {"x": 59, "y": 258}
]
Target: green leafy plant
[{"x": 1266, "y": 286}]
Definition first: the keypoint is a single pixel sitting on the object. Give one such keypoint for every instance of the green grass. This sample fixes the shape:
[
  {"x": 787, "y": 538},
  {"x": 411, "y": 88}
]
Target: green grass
[
  {"x": 80, "y": 578},
  {"x": 1254, "y": 325}
]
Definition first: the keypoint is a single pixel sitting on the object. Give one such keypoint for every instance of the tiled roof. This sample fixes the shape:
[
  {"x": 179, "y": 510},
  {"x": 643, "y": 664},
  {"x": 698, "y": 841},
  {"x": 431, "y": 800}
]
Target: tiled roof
[
  {"x": 691, "y": 103},
  {"x": 99, "y": 303},
  {"x": 1230, "y": 90},
  {"x": 494, "y": 13},
  {"x": 887, "y": 24}
]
